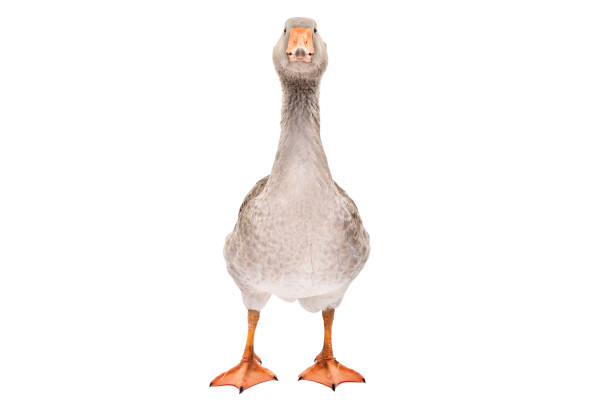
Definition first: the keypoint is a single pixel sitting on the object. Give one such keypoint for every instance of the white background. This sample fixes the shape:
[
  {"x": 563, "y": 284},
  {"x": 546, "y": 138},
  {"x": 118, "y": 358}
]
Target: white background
[{"x": 474, "y": 137}]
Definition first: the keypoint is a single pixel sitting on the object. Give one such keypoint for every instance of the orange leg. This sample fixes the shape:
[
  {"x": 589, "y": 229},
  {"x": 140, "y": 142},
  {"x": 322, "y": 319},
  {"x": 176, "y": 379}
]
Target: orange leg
[
  {"x": 327, "y": 370},
  {"x": 249, "y": 371}
]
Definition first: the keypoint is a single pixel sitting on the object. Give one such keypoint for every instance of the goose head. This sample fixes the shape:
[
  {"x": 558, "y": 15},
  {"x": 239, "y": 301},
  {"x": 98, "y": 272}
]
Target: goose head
[{"x": 300, "y": 54}]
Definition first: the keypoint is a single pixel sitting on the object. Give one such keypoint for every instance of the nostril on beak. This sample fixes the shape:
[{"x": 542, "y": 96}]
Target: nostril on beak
[{"x": 300, "y": 53}]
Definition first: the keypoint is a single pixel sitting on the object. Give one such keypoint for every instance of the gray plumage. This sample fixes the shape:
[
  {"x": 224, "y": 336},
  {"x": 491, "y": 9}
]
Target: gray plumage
[{"x": 298, "y": 234}]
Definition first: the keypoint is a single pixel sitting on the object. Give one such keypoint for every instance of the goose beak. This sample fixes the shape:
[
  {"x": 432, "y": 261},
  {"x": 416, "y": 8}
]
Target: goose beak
[{"x": 300, "y": 47}]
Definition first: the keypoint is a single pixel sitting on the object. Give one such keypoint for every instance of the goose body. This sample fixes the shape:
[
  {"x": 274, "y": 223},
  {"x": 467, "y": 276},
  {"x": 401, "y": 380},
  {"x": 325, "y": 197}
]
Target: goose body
[{"x": 306, "y": 244}]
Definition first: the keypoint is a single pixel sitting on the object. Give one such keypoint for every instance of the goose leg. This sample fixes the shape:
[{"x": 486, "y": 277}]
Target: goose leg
[
  {"x": 249, "y": 371},
  {"x": 327, "y": 370}
]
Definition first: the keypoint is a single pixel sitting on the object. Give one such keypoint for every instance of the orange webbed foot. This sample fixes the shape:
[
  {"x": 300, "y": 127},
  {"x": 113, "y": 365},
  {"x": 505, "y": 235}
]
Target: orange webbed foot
[
  {"x": 330, "y": 373},
  {"x": 245, "y": 375}
]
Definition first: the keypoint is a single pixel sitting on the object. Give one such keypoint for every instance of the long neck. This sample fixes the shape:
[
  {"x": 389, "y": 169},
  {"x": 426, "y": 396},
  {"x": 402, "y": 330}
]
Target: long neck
[{"x": 300, "y": 162}]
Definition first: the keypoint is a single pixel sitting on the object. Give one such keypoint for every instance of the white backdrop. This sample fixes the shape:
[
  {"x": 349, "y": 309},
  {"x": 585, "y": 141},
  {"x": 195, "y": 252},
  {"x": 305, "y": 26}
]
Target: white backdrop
[{"x": 474, "y": 137}]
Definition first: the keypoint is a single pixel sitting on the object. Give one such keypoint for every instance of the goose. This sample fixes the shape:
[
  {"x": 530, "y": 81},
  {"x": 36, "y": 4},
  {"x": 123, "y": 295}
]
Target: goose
[{"x": 298, "y": 234}]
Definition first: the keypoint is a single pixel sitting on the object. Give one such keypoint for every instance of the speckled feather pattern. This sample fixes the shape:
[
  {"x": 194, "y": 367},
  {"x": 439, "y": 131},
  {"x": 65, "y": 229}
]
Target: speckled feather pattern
[{"x": 298, "y": 234}]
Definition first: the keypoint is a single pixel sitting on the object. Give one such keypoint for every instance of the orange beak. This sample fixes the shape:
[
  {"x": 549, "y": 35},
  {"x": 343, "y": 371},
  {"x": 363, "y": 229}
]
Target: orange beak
[{"x": 300, "y": 47}]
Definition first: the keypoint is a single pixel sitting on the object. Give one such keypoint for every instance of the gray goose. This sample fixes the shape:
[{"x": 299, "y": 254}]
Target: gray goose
[{"x": 298, "y": 234}]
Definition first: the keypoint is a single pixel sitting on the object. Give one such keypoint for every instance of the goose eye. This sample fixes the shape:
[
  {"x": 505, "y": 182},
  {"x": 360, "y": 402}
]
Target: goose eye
[
  {"x": 285, "y": 30},
  {"x": 315, "y": 30}
]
